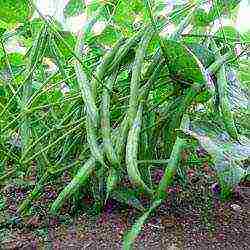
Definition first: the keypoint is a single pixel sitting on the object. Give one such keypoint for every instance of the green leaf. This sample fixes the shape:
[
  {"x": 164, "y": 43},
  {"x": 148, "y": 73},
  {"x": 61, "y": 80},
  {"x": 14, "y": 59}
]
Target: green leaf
[
  {"x": 204, "y": 96},
  {"x": 15, "y": 11},
  {"x": 228, "y": 156},
  {"x": 237, "y": 96},
  {"x": 182, "y": 63},
  {"x": 125, "y": 14},
  {"x": 227, "y": 34},
  {"x": 205, "y": 56},
  {"x": 221, "y": 7},
  {"x": 200, "y": 17},
  {"x": 74, "y": 7},
  {"x": 71, "y": 41},
  {"x": 2, "y": 30},
  {"x": 109, "y": 36},
  {"x": 16, "y": 59},
  {"x": 246, "y": 37}
]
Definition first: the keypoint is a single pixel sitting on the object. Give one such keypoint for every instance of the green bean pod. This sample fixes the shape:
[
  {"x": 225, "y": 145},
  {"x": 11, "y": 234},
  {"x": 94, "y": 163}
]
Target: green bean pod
[
  {"x": 178, "y": 111},
  {"x": 151, "y": 73},
  {"x": 105, "y": 121},
  {"x": 101, "y": 70},
  {"x": 124, "y": 49},
  {"x": 82, "y": 175},
  {"x": 55, "y": 51},
  {"x": 36, "y": 55},
  {"x": 88, "y": 98},
  {"x": 136, "y": 74},
  {"x": 132, "y": 152},
  {"x": 92, "y": 115},
  {"x": 172, "y": 165}
]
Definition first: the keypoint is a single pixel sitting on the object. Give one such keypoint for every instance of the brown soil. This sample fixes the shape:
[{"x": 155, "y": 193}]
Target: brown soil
[{"x": 190, "y": 219}]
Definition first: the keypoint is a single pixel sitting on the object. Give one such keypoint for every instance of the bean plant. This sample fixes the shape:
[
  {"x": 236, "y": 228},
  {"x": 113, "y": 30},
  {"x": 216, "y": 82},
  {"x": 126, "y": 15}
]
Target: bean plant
[{"x": 114, "y": 106}]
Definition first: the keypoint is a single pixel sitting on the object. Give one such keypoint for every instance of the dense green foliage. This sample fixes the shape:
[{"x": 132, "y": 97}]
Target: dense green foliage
[{"x": 100, "y": 104}]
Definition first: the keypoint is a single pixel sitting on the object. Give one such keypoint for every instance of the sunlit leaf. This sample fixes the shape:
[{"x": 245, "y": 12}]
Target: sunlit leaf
[
  {"x": 74, "y": 7},
  {"x": 14, "y": 11},
  {"x": 221, "y": 7}
]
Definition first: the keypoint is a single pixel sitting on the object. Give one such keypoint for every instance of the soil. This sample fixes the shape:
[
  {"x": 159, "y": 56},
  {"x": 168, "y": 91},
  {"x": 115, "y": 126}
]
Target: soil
[{"x": 192, "y": 218}]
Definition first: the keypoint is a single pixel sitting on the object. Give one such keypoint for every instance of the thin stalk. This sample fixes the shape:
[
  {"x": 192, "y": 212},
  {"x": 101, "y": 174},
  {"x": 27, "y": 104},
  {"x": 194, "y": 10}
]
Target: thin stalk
[{"x": 76, "y": 126}]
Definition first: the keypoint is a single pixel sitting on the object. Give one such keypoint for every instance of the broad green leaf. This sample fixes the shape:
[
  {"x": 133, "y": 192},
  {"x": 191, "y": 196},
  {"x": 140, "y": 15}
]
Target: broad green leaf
[
  {"x": 71, "y": 41},
  {"x": 204, "y": 96},
  {"x": 246, "y": 37},
  {"x": 14, "y": 11},
  {"x": 228, "y": 156},
  {"x": 227, "y": 34},
  {"x": 2, "y": 30},
  {"x": 221, "y": 7},
  {"x": 126, "y": 13},
  {"x": 200, "y": 17},
  {"x": 15, "y": 60},
  {"x": 74, "y": 7},
  {"x": 205, "y": 55},
  {"x": 109, "y": 36},
  {"x": 237, "y": 96},
  {"x": 183, "y": 65}
]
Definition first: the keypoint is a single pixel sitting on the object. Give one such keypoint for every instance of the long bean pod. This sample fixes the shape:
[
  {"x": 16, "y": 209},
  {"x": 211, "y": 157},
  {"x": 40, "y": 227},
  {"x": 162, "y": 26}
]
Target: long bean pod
[
  {"x": 101, "y": 70},
  {"x": 132, "y": 152},
  {"x": 78, "y": 180},
  {"x": 136, "y": 74},
  {"x": 36, "y": 55},
  {"x": 124, "y": 49},
  {"x": 92, "y": 115},
  {"x": 150, "y": 76},
  {"x": 105, "y": 120},
  {"x": 172, "y": 165}
]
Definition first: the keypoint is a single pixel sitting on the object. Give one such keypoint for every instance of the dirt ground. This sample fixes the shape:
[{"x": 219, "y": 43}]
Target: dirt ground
[{"x": 190, "y": 219}]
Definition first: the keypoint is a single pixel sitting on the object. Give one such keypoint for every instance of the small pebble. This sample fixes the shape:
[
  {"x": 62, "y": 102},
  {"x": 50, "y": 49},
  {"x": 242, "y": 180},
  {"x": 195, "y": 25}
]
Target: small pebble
[{"x": 236, "y": 207}]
